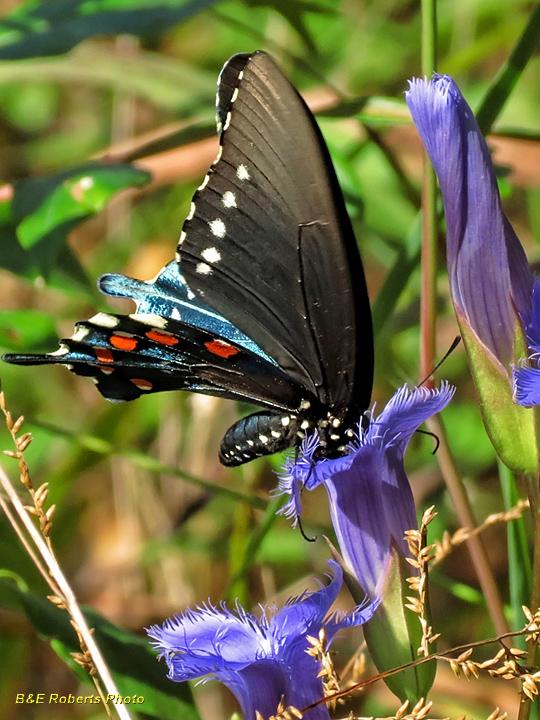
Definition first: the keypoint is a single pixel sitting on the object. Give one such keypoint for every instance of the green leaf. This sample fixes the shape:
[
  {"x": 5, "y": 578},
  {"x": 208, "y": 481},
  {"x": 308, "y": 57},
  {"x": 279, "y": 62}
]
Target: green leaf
[
  {"x": 393, "y": 636},
  {"x": 37, "y": 29},
  {"x": 131, "y": 660},
  {"x": 512, "y": 428},
  {"x": 76, "y": 197},
  {"x": 407, "y": 261},
  {"x": 519, "y": 556},
  {"x": 22, "y": 330},
  {"x": 294, "y": 13},
  {"x": 510, "y": 73},
  {"x": 36, "y": 218}
]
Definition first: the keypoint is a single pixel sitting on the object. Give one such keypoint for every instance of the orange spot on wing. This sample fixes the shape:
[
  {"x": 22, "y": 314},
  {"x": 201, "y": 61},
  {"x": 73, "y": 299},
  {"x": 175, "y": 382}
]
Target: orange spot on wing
[
  {"x": 104, "y": 355},
  {"x": 221, "y": 348},
  {"x": 142, "y": 384},
  {"x": 162, "y": 337},
  {"x": 123, "y": 343}
]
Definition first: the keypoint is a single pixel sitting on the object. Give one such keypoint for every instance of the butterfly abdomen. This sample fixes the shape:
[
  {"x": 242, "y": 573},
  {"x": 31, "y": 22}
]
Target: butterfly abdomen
[{"x": 262, "y": 433}]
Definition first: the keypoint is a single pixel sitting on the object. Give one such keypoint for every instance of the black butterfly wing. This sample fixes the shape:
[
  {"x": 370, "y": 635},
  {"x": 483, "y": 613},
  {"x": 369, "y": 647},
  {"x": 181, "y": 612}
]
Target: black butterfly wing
[
  {"x": 274, "y": 310},
  {"x": 168, "y": 296},
  {"x": 268, "y": 241},
  {"x": 128, "y": 356}
]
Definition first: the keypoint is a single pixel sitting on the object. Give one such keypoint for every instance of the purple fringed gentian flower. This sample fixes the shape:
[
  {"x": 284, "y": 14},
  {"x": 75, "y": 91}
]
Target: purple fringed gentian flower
[
  {"x": 371, "y": 503},
  {"x": 489, "y": 276},
  {"x": 263, "y": 661},
  {"x": 490, "y": 281}
]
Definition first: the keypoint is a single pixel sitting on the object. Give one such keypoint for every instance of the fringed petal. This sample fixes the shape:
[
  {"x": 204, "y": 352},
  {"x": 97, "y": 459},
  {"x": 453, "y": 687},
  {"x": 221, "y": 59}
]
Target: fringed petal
[{"x": 526, "y": 385}]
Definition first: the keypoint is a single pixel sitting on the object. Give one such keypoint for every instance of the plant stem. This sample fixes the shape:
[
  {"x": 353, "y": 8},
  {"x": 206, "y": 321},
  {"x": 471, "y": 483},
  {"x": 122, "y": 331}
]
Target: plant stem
[
  {"x": 525, "y": 704},
  {"x": 519, "y": 560},
  {"x": 428, "y": 298},
  {"x": 467, "y": 519}
]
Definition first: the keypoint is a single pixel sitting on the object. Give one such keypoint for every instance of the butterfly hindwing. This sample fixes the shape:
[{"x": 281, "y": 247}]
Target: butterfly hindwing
[
  {"x": 128, "y": 356},
  {"x": 168, "y": 296}
]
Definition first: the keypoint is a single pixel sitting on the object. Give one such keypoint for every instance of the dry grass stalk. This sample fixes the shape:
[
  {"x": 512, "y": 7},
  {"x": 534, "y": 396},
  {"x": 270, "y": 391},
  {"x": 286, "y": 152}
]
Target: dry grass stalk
[
  {"x": 422, "y": 556},
  {"x": 532, "y": 626},
  {"x": 319, "y": 651},
  {"x": 37, "y": 543},
  {"x": 444, "y": 547},
  {"x": 283, "y": 713},
  {"x": 507, "y": 664},
  {"x": 418, "y": 712}
]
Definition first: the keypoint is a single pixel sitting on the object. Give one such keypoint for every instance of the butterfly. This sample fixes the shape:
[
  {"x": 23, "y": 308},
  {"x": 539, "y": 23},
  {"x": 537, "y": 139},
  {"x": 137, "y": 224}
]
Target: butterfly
[{"x": 266, "y": 301}]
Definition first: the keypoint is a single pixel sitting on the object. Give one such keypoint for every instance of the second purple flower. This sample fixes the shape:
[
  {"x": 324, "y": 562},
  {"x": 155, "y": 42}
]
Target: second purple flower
[{"x": 490, "y": 281}]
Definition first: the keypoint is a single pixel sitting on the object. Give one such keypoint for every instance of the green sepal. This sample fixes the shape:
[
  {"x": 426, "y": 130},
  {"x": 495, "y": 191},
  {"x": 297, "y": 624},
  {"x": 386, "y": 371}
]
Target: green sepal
[
  {"x": 512, "y": 428},
  {"x": 394, "y": 634}
]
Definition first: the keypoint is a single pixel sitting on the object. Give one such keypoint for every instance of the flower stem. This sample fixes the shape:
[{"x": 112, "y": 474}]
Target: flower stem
[
  {"x": 429, "y": 37},
  {"x": 467, "y": 519},
  {"x": 519, "y": 560},
  {"x": 428, "y": 304},
  {"x": 525, "y": 704}
]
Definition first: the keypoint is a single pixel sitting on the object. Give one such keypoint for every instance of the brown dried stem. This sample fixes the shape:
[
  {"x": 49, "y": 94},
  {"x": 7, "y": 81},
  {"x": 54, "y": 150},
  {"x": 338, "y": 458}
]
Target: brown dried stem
[{"x": 37, "y": 543}]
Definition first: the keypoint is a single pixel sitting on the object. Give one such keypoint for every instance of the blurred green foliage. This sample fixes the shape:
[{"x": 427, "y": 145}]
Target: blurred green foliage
[{"x": 86, "y": 111}]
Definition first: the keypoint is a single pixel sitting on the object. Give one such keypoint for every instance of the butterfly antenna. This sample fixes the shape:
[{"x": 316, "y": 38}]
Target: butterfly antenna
[
  {"x": 309, "y": 539},
  {"x": 450, "y": 350},
  {"x": 436, "y": 437}
]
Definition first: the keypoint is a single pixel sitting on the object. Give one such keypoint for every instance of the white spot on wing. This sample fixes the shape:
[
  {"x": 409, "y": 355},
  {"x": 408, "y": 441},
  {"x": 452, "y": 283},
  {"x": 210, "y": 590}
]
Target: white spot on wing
[
  {"x": 211, "y": 255},
  {"x": 155, "y": 321},
  {"x": 227, "y": 121},
  {"x": 62, "y": 350},
  {"x": 203, "y": 269},
  {"x": 104, "y": 320},
  {"x": 191, "y": 294},
  {"x": 79, "y": 334},
  {"x": 217, "y": 228},
  {"x": 191, "y": 211},
  {"x": 275, "y": 434},
  {"x": 263, "y": 439},
  {"x": 242, "y": 172},
  {"x": 285, "y": 421},
  {"x": 234, "y": 95},
  {"x": 229, "y": 199}
]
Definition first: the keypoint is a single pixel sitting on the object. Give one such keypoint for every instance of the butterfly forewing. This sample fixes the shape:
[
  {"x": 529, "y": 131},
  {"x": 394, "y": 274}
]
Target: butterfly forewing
[
  {"x": 266, "y": 301},
  {"x": 269, "y": 242}
]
